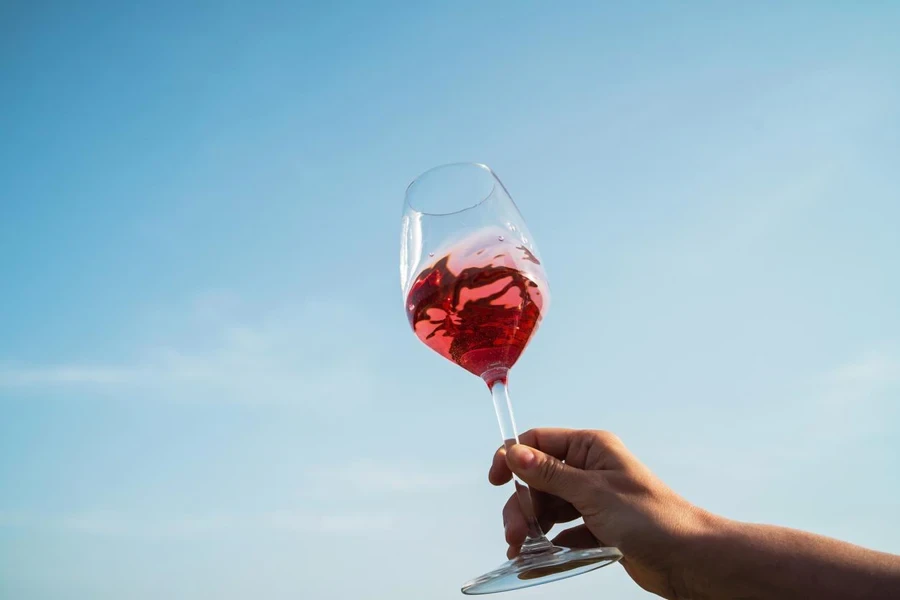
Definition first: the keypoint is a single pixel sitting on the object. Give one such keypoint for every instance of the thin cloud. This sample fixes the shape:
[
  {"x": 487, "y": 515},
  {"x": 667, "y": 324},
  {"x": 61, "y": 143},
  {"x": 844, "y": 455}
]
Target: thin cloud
[
  {"x": 24, "y": 376},
  {"x": 873, "y": 368},
  {"x": 117, "y": 525},
  {"x": 389, "y": 476},
  {"x": 345, "y": 524},
  {"x": 293, "y": 357},
  {"x": 856, "y": 398},
  {"x": 111, "y": 524}
]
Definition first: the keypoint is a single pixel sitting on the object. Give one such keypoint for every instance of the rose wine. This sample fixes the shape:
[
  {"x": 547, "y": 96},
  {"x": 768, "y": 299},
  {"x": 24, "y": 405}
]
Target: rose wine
[{"x": 479, "y": 309}]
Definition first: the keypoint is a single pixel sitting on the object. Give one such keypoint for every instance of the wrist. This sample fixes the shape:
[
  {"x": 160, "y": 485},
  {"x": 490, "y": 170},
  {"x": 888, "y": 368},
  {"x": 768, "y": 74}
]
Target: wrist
[{"x": 690, "y": 577}]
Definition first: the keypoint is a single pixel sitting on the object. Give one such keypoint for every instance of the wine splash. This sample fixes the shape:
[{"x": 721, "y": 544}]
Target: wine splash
[{"x": 479, "y": 312}]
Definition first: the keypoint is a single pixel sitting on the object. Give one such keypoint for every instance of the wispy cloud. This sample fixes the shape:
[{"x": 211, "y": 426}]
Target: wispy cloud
[
  {"x": 391, "y": 476},
  {"x": 287, "y": 358},
  {"x": 862, "y": 382},
  {"x": 855, "y": 397},
  {"x": 875, "y": 368},
  {"x": 21, "y": 376},
  {"x": 345, "y": 524},
  {"x": 822, "y": 418},
  {"x": 805, "y": 165},
  {"x": 111, "y": 524}
]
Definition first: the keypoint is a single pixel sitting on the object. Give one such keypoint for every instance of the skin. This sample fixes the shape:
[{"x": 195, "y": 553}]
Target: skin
[{"x": 671, "y": 547}]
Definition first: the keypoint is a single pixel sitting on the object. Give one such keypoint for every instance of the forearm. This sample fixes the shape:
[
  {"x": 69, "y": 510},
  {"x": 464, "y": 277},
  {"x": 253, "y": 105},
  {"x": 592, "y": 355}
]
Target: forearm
[{"x": 747, "y": 561}]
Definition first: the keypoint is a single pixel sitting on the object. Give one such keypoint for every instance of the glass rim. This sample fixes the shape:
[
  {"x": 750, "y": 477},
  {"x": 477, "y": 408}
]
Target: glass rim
[{"x": 427, "y": 172}]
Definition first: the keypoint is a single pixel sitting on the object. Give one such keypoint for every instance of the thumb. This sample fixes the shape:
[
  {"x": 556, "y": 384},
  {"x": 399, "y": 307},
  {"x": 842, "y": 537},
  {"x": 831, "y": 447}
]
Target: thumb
[{"x": 546, "y": 473}]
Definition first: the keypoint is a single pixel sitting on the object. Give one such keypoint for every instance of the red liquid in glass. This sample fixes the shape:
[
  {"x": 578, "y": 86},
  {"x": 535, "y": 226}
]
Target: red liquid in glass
[{"x": 480, "y": 317}]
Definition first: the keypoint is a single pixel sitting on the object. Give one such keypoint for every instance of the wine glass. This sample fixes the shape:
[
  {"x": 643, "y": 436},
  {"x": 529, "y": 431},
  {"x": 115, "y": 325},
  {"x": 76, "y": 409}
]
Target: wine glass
[{"x": 475, "y": 291}]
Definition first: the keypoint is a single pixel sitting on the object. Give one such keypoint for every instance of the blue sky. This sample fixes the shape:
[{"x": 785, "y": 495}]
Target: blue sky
[{"x": 207, "y": 381}]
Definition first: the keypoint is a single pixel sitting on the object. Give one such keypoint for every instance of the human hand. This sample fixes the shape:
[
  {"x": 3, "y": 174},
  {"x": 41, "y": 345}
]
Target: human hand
[{"x": 590, "y": 474}]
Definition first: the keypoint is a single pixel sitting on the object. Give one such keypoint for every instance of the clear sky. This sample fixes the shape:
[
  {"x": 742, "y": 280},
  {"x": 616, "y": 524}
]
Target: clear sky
[{"x": 207, "y": 382}]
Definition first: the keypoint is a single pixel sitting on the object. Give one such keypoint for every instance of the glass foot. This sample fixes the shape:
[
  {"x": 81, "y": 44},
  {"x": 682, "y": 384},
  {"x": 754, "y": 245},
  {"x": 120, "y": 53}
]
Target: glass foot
[{"x": 527, "y": 570}]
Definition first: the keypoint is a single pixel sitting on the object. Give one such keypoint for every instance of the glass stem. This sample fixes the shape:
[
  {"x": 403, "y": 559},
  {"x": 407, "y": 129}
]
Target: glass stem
[{"x": 496, "y": 379}]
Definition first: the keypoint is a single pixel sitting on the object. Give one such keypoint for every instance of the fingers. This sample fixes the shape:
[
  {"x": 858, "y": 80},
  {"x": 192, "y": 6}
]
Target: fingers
[
  {"x": 551, "y": 440},
  {"x": 561, "y": 467},
  {"x": 576, "y": 537},
  {"x": 548, "y": 474},
  {"x": 514, "y": 527},
  {"x": 549, "y": 510},
  {"x": 499, "y": 473},
  {"x": 584, "y": 449}
]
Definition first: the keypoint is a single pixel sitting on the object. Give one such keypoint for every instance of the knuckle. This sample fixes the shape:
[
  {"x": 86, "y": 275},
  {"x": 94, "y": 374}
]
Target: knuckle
[
  {"x": 597, "y": 449},
  {"x": 607, "y": 438}
]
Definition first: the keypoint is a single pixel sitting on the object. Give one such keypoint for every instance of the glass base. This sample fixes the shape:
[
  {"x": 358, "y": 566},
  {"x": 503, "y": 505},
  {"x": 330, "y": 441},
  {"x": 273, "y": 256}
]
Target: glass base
[{"x": 527, "y": 570}]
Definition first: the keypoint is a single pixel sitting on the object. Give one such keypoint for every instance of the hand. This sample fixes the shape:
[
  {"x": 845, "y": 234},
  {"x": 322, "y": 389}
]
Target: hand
[{"x": 590, "y": 474}]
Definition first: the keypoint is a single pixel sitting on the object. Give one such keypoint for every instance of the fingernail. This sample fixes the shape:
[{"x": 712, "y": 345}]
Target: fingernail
[{"x": 522, "y": 456}]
